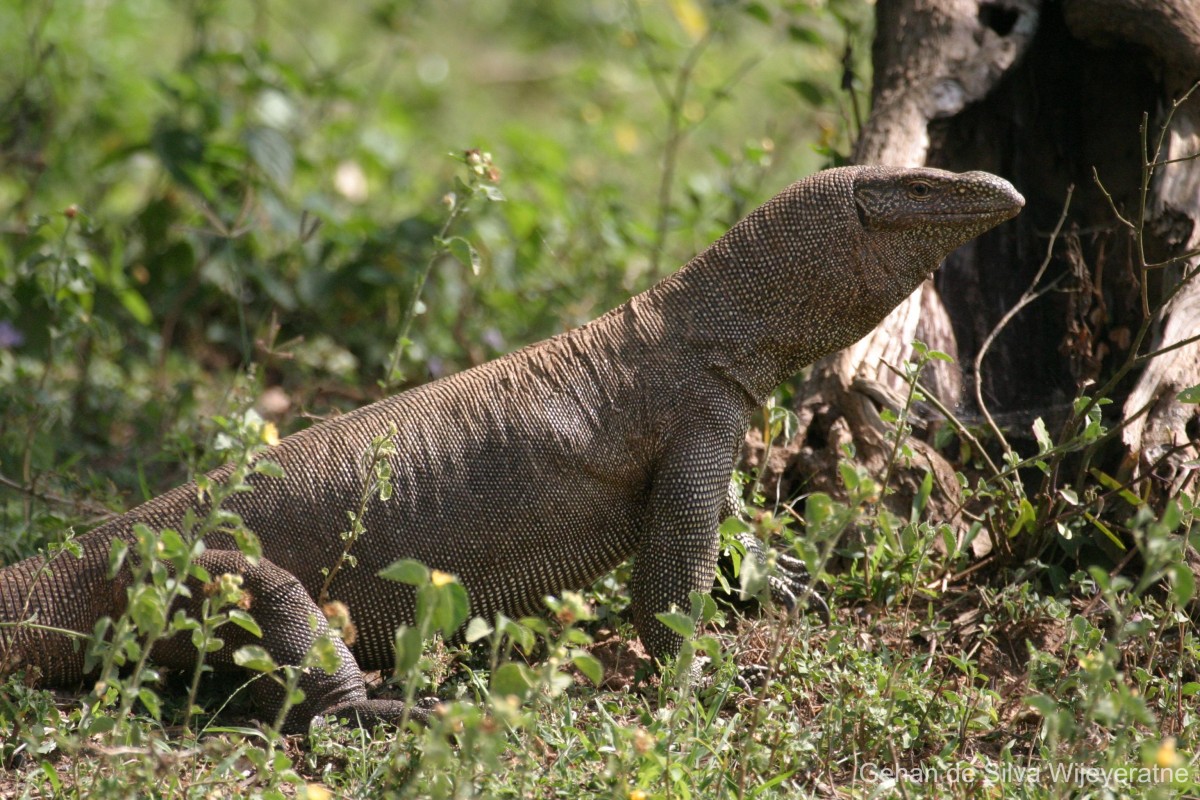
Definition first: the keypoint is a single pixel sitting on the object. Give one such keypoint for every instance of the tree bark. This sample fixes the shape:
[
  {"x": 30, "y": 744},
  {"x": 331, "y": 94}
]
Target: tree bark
[{"x": 1049, "y": 95}]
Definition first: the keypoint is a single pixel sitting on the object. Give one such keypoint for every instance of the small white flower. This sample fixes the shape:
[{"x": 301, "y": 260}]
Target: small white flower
[{"x": 350, "y": 181}]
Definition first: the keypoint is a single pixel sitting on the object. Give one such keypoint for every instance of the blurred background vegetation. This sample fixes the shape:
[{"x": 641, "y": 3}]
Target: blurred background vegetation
[{"x": 200, "y": 190}]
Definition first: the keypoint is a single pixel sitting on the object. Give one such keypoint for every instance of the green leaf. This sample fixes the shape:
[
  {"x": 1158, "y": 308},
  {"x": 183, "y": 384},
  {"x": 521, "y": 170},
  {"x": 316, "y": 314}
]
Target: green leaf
[
  {"x": 252, "y": 656},
  {"x": 512, "y": 678},
  {"x": 922, "y": 498},
  {"x": 1183, "y": 583},
  {"x": 451, "y": 607},
  {"x": 818, "y": 508},
  {"x": 466, "y": 254},
  {"x": 1045, "y": 443},
  {"x": 1043, "y": 704},
  {"x": 136, "y": 305},
  {"x": 1100, "y": 526},
  {"x": 589, "y": 665},
  {"x": 117, "y": 551},
  {"x": 1026, "y": 516},
  {"x": 799, "y": 33},
  {"x": 1171, "y": 515},
  {"x": 940, "y": 356},
  {"x": 52, "y": 774},
  {"x": 273, "y": 154},
  {"x": 180, "y": 151},
  {"x": 1189, "y": 395},
  {"x": 682, "y": 624},
  {"x": 809, "y": 91},
  {"x": 324, "y": 654},
  {"x": 758, "y": 11},
  {"x": 477, "y": 629},
  {"x": 1111, "y": 483},
  {"x": 150, "y": 701},
  {"x": 173, "y": 547},
  {"x": 269, "y": 468},
  {"x": 704, "y": 607},
  {"x": 247, "y": 542},
  {"x": 408, "y": 648},
  {"x": 244, "y": 621},
  {"x": 522, "y": 635},
  {"x": 147, "y": 610},
  {"x": 406, "y": 570}
]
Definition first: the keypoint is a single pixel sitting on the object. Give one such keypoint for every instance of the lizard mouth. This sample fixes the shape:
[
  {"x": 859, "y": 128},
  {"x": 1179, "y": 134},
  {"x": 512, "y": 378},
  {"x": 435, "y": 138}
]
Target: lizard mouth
[{"x": 995, "y": 214}]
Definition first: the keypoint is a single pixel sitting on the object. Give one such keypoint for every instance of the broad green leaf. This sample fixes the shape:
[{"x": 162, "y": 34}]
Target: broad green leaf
[
  {"x": 940, "y": 356},
  {"x": 244, "y": 621},
  {"x": 406, "y": 570},
  {"x": 1171, "y": 516},
  {"x": 1025, "y": 518},
  {"x": 512, "y": 678},
  {"x": 150, "y": 701},
  {"x": 408, "y": 648},
  {"x": 1100, "y": 526},
  {"x": 1189, "y": 395},
  {"x": 452, "y": 608},
  {"x": 136, "y": 305},
  {"x": 1045, "y": 443},
  {"x": 324, "y": 654},
  {"x": 269, "y": 468},
  {"x": 1111, "y": 483},
  {"x": 682, "y": 624},
  {"x": 147, "y": 609},
  {"x": 117, "y": 551},
  {"x": 466, "y": 254},
  {"x": 818, "y": 508},
  {"x": 252, "y": 656},
  {"x": 589, "y": 665},
  {"x": 1183, "y": 583},
  {"x": 477, "y": 629},
  {"x": 273, "y": 154},
  {"x": 758, "y": 11}
]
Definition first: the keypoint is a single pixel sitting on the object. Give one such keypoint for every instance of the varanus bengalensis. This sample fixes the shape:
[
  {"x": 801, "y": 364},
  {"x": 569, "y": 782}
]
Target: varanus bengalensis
[{"x": 542, "y": 470}]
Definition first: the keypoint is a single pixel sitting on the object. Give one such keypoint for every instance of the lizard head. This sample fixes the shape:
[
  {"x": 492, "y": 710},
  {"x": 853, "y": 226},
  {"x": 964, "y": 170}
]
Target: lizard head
[{"x": 930, "y": 209}]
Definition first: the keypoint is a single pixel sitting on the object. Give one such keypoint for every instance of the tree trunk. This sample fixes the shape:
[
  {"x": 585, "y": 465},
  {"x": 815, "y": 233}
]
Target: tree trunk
[{"x": 1042, "y": 93}]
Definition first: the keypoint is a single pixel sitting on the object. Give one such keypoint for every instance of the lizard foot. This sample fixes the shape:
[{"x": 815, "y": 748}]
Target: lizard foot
[{"x": 370, "y": 713}]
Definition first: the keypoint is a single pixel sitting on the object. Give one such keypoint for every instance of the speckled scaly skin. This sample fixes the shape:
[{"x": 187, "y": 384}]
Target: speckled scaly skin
[{"x": 542, "y": 470}]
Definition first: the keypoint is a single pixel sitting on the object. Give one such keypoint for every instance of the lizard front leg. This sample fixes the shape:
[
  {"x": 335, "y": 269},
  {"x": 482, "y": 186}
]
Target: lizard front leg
[{"x": 677, "y": 552}]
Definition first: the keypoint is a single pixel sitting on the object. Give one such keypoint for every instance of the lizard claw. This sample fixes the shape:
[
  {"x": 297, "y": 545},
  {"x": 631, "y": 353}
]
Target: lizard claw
[
  {"x": 789, "y": 583},
  {"x": 752, "y": 677}
]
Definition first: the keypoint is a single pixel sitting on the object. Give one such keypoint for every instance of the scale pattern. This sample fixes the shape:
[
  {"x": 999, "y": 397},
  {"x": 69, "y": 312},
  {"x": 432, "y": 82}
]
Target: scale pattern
[{"x": 542, "y": 470}]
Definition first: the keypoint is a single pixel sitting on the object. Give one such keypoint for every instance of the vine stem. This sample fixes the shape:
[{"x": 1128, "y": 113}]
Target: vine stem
[{"x": 456, "y": 210}]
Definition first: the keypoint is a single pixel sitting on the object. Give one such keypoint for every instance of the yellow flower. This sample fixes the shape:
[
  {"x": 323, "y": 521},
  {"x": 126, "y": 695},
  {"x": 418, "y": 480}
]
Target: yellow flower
[
  {"x": 626, "y": 137},
  {"x": 637, "y": 794},
  {"x": 314, "y": 791},
  {"x": 270, "y": 434},
  {"x": 439, "y": 578},
  {"x": 691, "y": 18},
  {"x": 1166, "y": 757}
]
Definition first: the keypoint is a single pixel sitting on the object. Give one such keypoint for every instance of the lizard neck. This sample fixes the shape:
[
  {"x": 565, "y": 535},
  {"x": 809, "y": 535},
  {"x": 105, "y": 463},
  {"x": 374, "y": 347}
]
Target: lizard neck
[{"x": 795, "y": 280}]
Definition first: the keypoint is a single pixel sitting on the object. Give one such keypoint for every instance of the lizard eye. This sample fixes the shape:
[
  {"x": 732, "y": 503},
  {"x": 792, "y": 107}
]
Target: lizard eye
[{"x": 919, "y": 190}]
